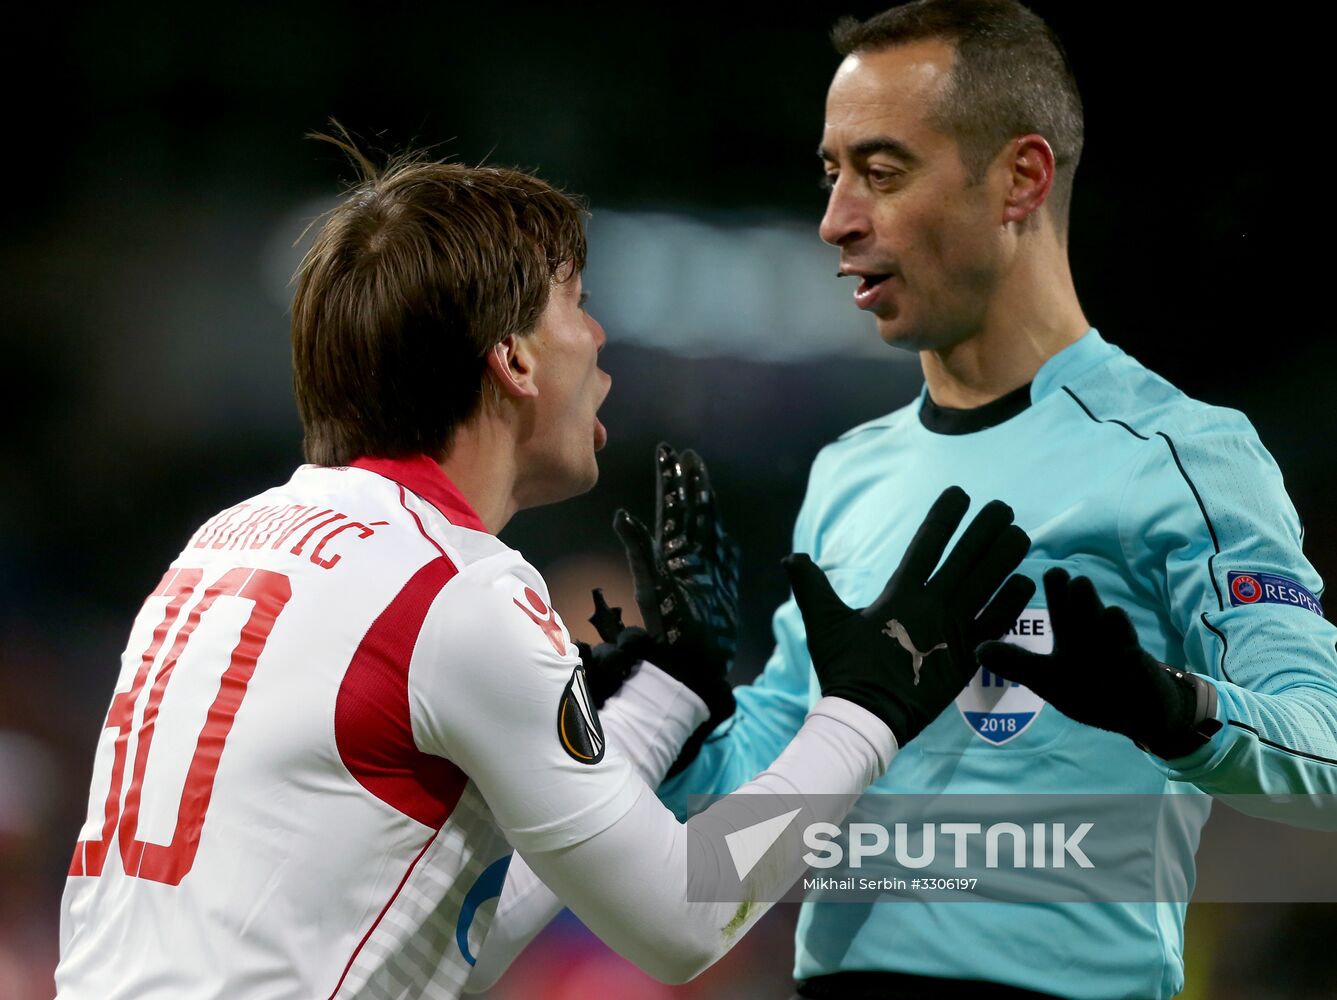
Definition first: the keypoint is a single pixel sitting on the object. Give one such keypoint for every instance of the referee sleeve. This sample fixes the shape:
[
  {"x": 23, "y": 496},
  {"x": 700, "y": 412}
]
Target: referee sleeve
[{"x": 1210, "y": 518}]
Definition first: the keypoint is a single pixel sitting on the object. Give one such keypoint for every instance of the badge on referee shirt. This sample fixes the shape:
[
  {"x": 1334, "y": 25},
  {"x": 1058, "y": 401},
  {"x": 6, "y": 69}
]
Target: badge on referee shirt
[
  {"x": 578, "y": 728},
  {"x": 1269, "y": 588},
  {"x": 998, "y": 710}
]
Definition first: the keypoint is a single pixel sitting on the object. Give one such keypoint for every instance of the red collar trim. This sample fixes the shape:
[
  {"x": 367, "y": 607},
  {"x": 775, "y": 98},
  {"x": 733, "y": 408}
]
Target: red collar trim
[{"x": 423, "y": 476}]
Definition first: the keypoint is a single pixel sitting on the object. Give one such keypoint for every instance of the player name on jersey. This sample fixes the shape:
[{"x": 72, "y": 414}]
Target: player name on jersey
[{"x": 250, "y": 526}]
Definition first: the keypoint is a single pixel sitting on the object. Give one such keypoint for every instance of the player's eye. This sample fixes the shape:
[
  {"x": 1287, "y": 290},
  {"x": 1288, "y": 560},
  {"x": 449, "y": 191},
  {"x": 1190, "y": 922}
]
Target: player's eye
[
  {"x": 584, "y": 297},
  {"x": 827, "y": 180}
]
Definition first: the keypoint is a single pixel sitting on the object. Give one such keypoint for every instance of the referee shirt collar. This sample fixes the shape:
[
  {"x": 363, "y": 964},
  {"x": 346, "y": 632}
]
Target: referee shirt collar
[
  {"x": 423, "y": 476},
  {"x": 1071, "y": 363},
  {"x": 1068, "y": 365}
]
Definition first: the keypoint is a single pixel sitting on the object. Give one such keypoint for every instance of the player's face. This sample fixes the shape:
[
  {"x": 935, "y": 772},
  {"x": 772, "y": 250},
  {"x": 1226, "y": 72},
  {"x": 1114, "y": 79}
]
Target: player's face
[
  {"x": 566, "y": 431},
  {"x": 920, "y": 236}
]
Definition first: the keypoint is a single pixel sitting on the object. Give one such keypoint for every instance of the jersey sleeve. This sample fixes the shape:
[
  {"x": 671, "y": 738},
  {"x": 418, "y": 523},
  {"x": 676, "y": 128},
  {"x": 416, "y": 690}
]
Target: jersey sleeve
[
  {"x": 771, "y": 708},
  {"x": 496, "y": 686},
  {"x": 1209, "y": 522},
  {"x": 648, "y": 885}
]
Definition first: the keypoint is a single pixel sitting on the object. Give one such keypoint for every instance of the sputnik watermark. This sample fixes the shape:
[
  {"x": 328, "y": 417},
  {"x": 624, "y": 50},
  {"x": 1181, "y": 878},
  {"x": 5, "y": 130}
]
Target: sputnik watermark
[
  {"x": 750, "y": 844},
  {"x": 1008, "y": 848},
  {"x": 1045, "y": 845},
  {"x": 873, "y": 840}
]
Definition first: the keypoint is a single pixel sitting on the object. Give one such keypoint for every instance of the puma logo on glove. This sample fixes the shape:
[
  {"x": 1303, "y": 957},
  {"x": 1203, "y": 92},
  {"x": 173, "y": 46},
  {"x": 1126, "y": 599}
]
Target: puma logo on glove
[{"x": 897, "y": 631}]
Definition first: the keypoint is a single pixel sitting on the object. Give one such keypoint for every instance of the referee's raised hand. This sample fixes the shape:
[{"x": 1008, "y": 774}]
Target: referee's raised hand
[
  {"x": 910, "y": 652},
  {"x": 1099, "y": 674}
]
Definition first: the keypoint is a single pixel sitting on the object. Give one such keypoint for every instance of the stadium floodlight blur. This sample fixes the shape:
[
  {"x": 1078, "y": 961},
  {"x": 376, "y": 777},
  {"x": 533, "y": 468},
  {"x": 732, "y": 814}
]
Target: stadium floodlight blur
[{"x": 723, "y": 285}]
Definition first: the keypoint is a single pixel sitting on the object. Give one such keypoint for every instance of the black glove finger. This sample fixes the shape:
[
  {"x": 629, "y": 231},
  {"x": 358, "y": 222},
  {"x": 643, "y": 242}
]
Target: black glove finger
[
  {"x": 1014, "y": 663},
  {"x": 702, "y": 528},
  {"x": 1006, "y": 606},
  {"x": 640, "y": 549},
  {"x": 975, "y": 543},
  {"x": 606, "y": 621},
  {"x": 1056, "y": 603},
  {"x": 1009, "y": 548},
  {"x": 926, "y": 548},
  {"x": 670, "y": 501},
  {"x": 817, "y": 601},
  {"x": 1083, "y": 608},
  {"x": 1116, "y": 629}
]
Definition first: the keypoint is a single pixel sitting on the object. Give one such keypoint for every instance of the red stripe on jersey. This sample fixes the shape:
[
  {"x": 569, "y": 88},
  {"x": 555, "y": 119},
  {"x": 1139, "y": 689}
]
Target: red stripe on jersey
[
  {"x": 404, "y": 502},
  {"x": 371, "y": 715},
  {"x": 423, "y": 476},
  {"x": 380, "y": 916}
]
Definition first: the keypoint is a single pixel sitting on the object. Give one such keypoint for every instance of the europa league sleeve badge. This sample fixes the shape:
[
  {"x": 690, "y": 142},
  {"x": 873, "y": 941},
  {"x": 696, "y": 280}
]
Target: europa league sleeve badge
[{"x": 578, "y": 728}]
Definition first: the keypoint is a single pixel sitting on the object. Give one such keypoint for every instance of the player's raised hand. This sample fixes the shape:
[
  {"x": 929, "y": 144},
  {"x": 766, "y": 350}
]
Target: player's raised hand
[
  {"x": 910, "y": 652},
  {"x": 611, "y": 662},
  {"x": 686, "y": 571},
  {"x": 686, "y": 578},
  {"x": 1099, "y": 674}
]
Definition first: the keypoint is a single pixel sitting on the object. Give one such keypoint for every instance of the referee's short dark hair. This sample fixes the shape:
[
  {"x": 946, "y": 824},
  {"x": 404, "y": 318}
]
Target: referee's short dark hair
[
  {"x": 420, "y": 270},
  {"x": 1011, "y": 77}
]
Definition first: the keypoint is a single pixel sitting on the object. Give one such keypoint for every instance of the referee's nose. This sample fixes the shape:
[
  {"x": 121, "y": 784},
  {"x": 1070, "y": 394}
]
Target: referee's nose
[{"x": 847, "y": 219}]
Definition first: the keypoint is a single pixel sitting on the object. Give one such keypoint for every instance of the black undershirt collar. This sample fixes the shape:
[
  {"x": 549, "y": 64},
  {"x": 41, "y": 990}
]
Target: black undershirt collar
[{"x": 944, "y": 420}]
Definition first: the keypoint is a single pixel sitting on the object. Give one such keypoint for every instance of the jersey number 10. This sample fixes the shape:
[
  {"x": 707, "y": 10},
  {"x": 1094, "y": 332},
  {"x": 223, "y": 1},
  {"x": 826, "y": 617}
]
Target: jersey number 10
[{"x": 169, "y": 863}]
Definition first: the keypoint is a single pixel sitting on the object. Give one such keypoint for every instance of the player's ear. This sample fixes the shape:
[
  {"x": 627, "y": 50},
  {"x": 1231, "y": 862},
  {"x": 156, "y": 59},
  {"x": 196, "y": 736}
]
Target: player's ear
[
  {"x": 1029, "y": 162},
  {"x": 512, "y": 363}
]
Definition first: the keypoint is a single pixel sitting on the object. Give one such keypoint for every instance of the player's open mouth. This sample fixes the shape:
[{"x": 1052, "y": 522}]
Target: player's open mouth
[{"x": 869, "y": 290}]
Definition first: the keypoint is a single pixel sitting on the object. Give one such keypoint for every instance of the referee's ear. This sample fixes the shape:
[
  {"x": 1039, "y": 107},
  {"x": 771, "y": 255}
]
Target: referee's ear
[
  {"x": 511, "y": 367},
  {"x": 1029, "y": 163}
]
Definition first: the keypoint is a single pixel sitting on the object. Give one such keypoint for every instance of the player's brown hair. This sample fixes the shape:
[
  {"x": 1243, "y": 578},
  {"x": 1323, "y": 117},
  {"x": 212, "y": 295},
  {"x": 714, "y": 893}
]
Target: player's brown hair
[
  {"x": 420, "y": 270},
  {"x": 1011, "y": 77}
]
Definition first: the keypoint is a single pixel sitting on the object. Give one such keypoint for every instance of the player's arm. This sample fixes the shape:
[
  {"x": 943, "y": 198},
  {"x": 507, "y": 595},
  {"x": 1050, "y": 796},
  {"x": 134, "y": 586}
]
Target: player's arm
[
  {"x": 685, "y": 572},
  {"x": 594, "y": 833},
  {"x": 685, "y": 569},
  {"x": 649, "y": 719},
  {"x": 770, "y": 709},
  {"x": 686, "y": 577},
  {"x": 1253, "y": 712}
]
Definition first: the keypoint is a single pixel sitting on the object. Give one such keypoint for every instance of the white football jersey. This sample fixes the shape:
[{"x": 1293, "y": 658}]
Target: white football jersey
[{"x": 337, "y": 713}]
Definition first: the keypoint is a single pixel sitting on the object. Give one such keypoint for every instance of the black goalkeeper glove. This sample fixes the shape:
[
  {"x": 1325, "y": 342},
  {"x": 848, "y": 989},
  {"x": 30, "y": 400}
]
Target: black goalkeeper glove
[
  {"x": 686, "y": 579},
  {"x": 686, "y": 573},
  {"x": 1098, "y": 674},
  {"x": 612, "y": 662},
  {"x": 910, "y": 652}
]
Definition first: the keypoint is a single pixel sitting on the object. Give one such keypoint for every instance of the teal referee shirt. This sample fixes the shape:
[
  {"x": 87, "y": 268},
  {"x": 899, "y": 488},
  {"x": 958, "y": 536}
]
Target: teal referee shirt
[{"x": 1178, "y": 515}]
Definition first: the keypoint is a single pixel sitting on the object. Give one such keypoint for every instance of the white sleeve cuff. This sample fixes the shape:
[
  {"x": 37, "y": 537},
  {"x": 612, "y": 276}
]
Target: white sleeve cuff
[
  {"x": 650, "y": 718},
  {"x": 865, "y": 723}
]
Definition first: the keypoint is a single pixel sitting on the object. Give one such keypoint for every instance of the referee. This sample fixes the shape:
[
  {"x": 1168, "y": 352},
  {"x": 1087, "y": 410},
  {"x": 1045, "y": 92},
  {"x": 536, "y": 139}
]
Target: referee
[{"x": 1179, "y": 645}]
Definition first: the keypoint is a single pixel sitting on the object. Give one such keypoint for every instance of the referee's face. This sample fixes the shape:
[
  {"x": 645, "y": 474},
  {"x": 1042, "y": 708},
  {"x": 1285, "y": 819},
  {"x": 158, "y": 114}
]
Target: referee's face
[{"x": 923, "y": 239}]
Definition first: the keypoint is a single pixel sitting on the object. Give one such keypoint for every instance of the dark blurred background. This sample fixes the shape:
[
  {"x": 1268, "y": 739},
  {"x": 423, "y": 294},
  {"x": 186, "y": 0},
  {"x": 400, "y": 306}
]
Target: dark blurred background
[{"x": 158, "y": 180}]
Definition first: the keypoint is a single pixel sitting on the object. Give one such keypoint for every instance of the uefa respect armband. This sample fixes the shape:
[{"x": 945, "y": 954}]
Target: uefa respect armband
[{"x": 1268, "y": 588}]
